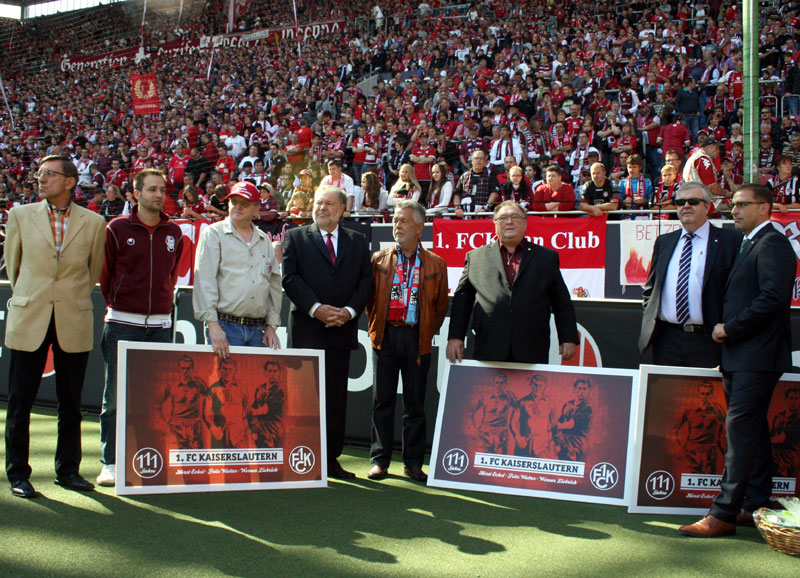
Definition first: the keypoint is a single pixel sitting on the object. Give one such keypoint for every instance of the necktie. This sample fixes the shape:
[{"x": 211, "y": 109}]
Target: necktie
[
  {"x": 682, "y": 289},
  {"x": 329, "y": 245},
  {"x": 745, "y": 242}
]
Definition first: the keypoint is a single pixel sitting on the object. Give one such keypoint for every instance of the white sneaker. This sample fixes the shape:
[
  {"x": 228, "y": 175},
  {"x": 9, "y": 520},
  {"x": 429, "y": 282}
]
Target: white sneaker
[{"x": 107, "y": 476}]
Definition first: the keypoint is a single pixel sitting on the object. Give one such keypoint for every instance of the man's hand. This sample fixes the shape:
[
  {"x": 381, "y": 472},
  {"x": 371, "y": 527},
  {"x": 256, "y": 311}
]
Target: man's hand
[
  {"x": 719, "y": 334},
  {"x": 271, "y": 338},
  {"x": 332, "y": 316},
  {"x": 218, "y": 340},
  {"x": 325, "y": 313},
  {"x": 455, "y": 350},
  {"x": 595, "y": 211},
  {"x": 567, "y": 350},
  {"x": 341, "y": 316}
]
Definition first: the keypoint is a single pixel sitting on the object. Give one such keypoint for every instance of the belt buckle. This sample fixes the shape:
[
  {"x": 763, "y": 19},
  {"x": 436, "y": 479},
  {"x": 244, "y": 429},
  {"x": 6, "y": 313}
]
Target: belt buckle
[{"x": 689, "y": 328}]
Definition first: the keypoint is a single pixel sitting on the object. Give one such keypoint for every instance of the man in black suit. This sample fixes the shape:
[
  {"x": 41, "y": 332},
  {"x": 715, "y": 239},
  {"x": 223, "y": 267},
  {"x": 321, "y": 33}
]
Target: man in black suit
[
  {"x": 756, "y": 350},
  {"x": 510, "y": 287},
  {"x": 327, "y": 276},
  {"x": 678, "y": 317}
]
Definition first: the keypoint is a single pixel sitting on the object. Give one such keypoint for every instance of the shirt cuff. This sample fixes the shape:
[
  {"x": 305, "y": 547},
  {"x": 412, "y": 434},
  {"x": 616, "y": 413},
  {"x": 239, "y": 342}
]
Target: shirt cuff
[
  {"x": 351, "y": 311},
  {"x": 314, "y": 308},
  {"x": 206, "y": 316}
]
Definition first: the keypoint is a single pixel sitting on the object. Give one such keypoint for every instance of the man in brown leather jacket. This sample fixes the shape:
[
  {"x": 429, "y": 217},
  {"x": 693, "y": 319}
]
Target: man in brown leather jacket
[{"x": 407, "y": 307}]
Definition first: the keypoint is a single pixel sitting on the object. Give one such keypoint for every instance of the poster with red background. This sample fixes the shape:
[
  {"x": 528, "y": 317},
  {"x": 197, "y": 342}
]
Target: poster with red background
[
  {"x": 145, "y": 94},
  {"x": 680, "y": 448},
  {"x": 535, "y": 430},
  {"x": 789, "y": 225},
  {"x": 580, "y": 242},
  {"x": 188, "y": 422}
]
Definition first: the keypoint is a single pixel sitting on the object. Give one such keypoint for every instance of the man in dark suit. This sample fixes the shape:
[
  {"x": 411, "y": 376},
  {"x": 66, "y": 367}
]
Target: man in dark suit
[
  {"x": 327, "y": 276},
  {"x": 510, "y": 287},
  {"x": 756, "y": 350},
  {"x": 680, "y": 310}
]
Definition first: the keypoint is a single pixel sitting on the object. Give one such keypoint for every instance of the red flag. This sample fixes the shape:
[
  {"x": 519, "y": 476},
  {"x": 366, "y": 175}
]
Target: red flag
[{"x": 145, "y": 94}]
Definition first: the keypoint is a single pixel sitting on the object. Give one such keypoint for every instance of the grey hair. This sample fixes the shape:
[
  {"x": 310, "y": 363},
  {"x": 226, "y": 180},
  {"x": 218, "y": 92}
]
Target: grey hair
[
  {"x": 695, "y": 185},
  {"x": 419, "y": 210},
  {"x": 322, "y": 189}
]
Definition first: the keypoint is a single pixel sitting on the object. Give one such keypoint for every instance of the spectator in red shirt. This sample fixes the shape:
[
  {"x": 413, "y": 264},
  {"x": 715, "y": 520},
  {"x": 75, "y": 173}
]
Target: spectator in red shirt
[
  {"x": 193, "y": 207},
  {"x": 226, "y": 165},
  {"x": 177, "y": 166},
  {"x": 554, "y": 195},
  {"x": 674, "y": 136},
  {"x": 97, "y": 200},
  {"x": 423, "y": 155}
]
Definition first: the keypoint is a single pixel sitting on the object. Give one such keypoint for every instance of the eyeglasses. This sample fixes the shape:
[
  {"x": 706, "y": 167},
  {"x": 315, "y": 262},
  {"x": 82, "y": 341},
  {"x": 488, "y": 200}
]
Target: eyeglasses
[
  {"x": 46, "y": 174},
  {"x": 693, "y": 202},
  {"x": 506, "y": 218},
  {"x": 744, "y": 204},
  {"x": 672, "y": 160}
]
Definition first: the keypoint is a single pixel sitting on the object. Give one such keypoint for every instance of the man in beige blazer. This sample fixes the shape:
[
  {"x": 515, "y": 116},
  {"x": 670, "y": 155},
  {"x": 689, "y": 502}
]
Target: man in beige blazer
[{"x": 54, "y": 255}]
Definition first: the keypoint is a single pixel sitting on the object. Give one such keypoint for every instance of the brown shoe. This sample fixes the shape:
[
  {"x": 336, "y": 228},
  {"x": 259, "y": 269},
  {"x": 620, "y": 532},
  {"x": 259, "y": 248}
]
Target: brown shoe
[
  {"x": 377, "y": 472},
  {"x": 416, "y": 474},
  {"x": 745, "y": 518},
  {"x": 709, "y": 527}
]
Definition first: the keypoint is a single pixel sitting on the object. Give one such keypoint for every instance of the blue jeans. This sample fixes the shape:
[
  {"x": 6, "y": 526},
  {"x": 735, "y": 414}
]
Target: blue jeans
[
  {"x": 113, "y": 333},
  {"x": 241, "y": 335},
  {"x": 654, "y": 162},
  {"x": 792, "y": 104}
]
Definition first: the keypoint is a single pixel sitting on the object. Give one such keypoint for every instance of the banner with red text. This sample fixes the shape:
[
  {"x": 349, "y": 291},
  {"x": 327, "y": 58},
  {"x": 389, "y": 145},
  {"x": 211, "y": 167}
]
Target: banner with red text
[
  {"x": 680, "y": 447},
  {"x": 138, "y": 55},
  {"x": 581, "y": 246},
  {"x": 190, "y": 422},
  {"x": 145, "y": 94},
  {"x": 535, "y": 430},
  {"x": 789, "y": 225}
]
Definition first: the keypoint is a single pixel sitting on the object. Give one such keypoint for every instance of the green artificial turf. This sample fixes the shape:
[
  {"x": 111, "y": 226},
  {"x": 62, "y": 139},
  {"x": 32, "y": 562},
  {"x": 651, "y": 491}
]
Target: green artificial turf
[{"x": 361, "y": 529}]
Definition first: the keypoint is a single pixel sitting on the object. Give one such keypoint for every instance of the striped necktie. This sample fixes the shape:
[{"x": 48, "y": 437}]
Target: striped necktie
[{"x": 682, "y": 289}]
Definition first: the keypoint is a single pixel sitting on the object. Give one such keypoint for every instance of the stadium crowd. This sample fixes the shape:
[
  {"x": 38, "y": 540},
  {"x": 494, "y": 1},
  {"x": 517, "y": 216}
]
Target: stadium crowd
[{"x": 571, "y": 106}]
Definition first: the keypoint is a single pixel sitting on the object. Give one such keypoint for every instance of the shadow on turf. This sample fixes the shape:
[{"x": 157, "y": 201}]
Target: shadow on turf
[{"x": 237, "y": 532}]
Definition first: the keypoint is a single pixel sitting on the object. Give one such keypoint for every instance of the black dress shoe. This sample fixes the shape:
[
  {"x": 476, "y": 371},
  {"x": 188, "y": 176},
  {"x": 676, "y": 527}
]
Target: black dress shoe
[
  {"x": 23, "y": 489},
  {"x": 74, "y": 482},
  {"x": 416, "y": 474},
  {"x": 338, "y": 472}
]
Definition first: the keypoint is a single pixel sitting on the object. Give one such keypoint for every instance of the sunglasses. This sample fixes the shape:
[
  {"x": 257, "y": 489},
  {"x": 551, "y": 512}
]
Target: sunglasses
[{"x": 692, "y": 202}]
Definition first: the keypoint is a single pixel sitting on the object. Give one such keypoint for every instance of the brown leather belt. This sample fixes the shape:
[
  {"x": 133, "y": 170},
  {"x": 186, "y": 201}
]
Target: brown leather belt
[{"x": 248, "y": 321}]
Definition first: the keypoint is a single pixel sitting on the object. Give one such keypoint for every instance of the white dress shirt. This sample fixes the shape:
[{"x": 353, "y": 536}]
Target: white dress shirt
[{"x": 668, "y": 311}]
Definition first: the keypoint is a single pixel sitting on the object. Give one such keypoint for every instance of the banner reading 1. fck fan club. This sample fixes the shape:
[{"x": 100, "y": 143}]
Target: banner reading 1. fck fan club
[{"x": 581, "y": 246}]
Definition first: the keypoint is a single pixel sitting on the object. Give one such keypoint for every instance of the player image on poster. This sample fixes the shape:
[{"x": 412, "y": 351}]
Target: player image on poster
[
  {"x": 681, "y": 454},
  {"x": 537, "y": 430},
  {"x": 189, "y": 421}
]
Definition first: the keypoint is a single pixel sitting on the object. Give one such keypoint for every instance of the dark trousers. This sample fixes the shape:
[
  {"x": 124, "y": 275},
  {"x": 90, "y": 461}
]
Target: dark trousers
[
  {"x": 25, "y": 377},
  {"x": 337, "y": 368},
  {"x": 113, "y": 333},
  {"x": 673, "y": 346},
  {"x": 747, "y": 477},
  {"x": 398, "y": 356}
]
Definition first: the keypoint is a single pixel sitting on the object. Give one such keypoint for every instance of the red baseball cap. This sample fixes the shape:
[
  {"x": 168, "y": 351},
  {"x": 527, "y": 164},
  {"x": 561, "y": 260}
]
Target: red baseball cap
[{"x": 246, "y": 190}]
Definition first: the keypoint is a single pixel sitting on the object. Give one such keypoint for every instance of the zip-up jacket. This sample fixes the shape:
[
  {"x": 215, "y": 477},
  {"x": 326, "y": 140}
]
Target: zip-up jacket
[
  {"x": 141, "y": 268},
  {"x": 432, "y": 299}
]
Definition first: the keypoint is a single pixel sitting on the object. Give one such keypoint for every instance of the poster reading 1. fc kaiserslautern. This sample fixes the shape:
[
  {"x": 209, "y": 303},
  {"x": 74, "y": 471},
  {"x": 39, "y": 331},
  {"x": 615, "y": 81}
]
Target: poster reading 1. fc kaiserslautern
[
  {"x": 535, "y": 430},
  {"x": 188, "y": 421},
  {"x": 681, "y": 449}
]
